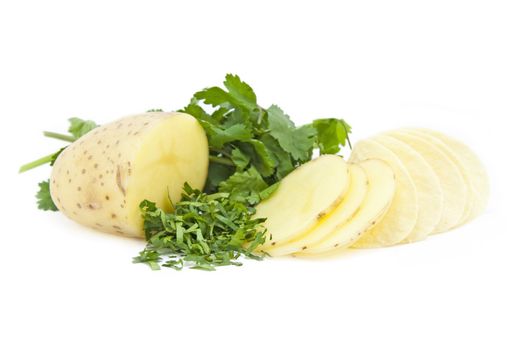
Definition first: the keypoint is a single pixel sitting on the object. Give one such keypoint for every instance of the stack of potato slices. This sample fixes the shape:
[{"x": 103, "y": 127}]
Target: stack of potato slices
[{"x": 397, "y": 187}]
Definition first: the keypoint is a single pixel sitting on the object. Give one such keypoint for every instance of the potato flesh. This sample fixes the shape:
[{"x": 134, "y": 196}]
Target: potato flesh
[
  {"x": 380, "y": 193},
  {"x": 473, "y": 168},
  {"x": 402, "y": 214},
  {"x": 428, "y": 187},
  {"x": 452, "y": 183},
  {"x": 344, "y": 212},
  {"x": 100, "y": 180},
  {"x": 303, "y": 198}
]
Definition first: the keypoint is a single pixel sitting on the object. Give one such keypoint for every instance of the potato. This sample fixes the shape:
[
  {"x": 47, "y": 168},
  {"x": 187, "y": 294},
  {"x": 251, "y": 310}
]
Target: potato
[
  {"x": 402, "y": 215},
  {"x": 303, "y": 198},
  {"x": 428, "y": 187},
  {"x": 472, "y": 167},
  {"x": 100, "y": 180},
  {"x": 452, "y": 183},
  {"x": 380, "y": 194},
  {"x": 340, "y": 215}
]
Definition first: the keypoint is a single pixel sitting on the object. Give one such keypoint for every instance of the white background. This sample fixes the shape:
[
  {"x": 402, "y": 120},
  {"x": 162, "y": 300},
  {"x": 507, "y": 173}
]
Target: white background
[{"x": 457, "y": 66}]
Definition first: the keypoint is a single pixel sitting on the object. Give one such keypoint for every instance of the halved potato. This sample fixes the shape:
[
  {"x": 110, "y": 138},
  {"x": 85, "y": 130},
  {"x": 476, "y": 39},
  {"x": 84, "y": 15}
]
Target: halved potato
[
  {"x": 381, "y": 192},
  {"x": 341, "y": 214},
  {"x": 452, "y": 183},
  {"x": 402, "y": 215},
  {"x": 474, "y": 168},
  {"x": 100, "y": 179},
  {"x": 428, "y": 187},
  {"x": 303, "y": 198}
]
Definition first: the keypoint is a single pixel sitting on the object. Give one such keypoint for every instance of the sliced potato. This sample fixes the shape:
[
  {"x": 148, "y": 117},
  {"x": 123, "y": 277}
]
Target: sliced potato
[
  {"x": 303, "y": 198},
  {"x": 342, "y": 213},
  {"x": 475, "y": 169},
  {"x": 452, "y": 183},
  {"x": 401, "y": 217},
  {"x": 428, "y": 187},
  {"x": 381, "y": 192}
]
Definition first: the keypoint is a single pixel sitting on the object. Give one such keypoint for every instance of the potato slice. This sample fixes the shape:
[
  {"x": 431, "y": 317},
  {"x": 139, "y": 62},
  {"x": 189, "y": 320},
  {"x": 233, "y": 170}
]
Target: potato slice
[
  {"x": 401, "y": 217},
  {"x": 303, "y": 198},
  {"x": 428, "y": 187},
  {"x": 341, "y": 214},
  {"x": 474, "y": 170},
  {"x": 381, "y": 191},
  {"x": 100, "y": 180},
  {"x": 452, "y": 183}
]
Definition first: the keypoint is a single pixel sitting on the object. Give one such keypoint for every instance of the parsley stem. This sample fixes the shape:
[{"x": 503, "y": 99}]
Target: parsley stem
[
  {"x": 221, "y": 160},
  {"x": 36, "y": 163},
  {"x": 58, "y": 136}
]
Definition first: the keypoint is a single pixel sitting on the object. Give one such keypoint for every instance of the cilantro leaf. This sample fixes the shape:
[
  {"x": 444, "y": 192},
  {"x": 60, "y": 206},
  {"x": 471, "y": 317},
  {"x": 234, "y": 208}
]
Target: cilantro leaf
[{"x": 44, "y": 200}]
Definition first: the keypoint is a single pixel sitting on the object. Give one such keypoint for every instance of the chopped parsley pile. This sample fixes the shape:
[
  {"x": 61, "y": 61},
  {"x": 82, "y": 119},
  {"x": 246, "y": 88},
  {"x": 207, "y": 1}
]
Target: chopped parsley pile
[{"x": 251, "y": 149}]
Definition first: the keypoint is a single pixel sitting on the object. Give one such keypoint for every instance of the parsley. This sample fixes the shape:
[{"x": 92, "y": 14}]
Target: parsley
[
  {"x": 252, "y": 148},
  {"x": 77, "y": 128},
  {"x": 203, "y": 231},
  {"x": 43, "y": 196}
]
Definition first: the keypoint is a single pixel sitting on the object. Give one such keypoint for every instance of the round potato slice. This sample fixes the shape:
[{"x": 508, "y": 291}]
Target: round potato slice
[
  {"x": 475, "y": 169},
  {"x": 401, "y": 217},
  {"x": 452, "y": 183},
  {"x": 342, "y": 213},
  {"x": 381, "y": 191},
  {"x": 428, "y": 187},
  {"x": 303, "y": 198}
]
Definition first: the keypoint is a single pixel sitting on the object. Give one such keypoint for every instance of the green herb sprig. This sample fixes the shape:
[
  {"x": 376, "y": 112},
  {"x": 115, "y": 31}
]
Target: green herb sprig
[
  {"x": 253, "y": 148},
  {"x": 77, "y": 128}
]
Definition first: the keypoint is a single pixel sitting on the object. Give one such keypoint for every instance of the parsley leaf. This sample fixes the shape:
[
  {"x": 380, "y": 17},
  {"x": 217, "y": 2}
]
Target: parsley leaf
[
  {"x": 44, "y": 200},
  {"x": 298, "y": 142},
  {"x": 79, "y": 127},
  {"x": 331, "y": 134}
]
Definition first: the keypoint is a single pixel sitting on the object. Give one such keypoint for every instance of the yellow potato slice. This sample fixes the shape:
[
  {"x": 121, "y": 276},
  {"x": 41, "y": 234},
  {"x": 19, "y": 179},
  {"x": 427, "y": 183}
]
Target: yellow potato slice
[
  {"x": 341, "y": 214},
  {"x": 401, "y": 217},
  {"x": 474, "y": 169},
  {"x": 381, "y": 192},
  {"x": 303, "y": 198},
  {"x": 428, "y": 187},
  {"x": 452, "y": 183}
]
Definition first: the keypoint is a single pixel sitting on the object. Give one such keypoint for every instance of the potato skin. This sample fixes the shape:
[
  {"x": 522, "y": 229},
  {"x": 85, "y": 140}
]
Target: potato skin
[{"x": 90, "y": 181}]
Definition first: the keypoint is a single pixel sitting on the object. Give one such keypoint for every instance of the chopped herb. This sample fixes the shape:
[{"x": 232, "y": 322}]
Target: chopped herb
[{"x": 203, "y": 231}]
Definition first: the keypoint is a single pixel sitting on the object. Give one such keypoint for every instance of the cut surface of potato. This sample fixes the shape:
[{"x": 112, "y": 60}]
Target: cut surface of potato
[
  {"x": 303, "y": 198},
  {"x": 381, "y": 191},
  {"x": 473, "y": 167},
  {"x": 342, "y": 213},
  {"x": 402, "y": 214},
  {"x": 428, "y": 187},
  {"x": 452, "y": 183},
  {"x": 100, "y": 180}
]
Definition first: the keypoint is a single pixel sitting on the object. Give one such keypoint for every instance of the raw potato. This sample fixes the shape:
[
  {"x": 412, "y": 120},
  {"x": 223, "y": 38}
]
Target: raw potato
[
  {"x": 341, "y": 214},
  {"x": 474, "y": 169},
  {"x": 452, "y": 183},
  {"x": 303, "y": 198},
  {"x": 401, "y": 217},
  {"x": 100, "y": 180},
  {"x": 381, "y": 192},
  {"x": 428, "y": 187}
]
